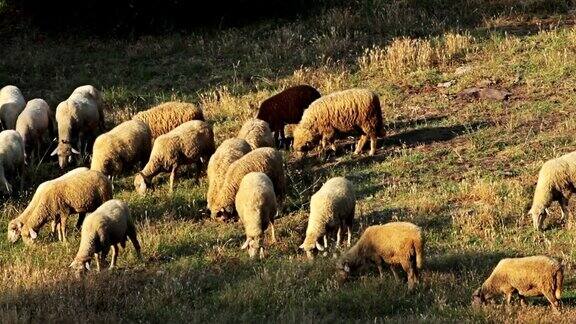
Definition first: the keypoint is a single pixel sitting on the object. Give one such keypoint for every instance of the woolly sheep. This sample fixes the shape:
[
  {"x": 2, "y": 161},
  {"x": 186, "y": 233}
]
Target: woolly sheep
[
  {"x": 79, "y": 191},
  {"x": 331, "y": 207},
  {"x": 556, "y": 182},
  {"x": 529, "y": 276},
  {"x": 256, "y": 206},
  {"x": 286, "y": 107},
  {"x": 107, "y": 227},
  {"x": 191, "y": 142},
  {"x": 257, "y": 133},
  {"x": 11, "y": 159},
  {"x": 165, "y": 117},
  {"x": 395, "y": 243},
  {"x": 340, "y": 112},
  {"x": 96, "y": 95},
  {"x": 34, "y": 122},
  {"x": 265, "y": 159},
  {"x": 121, "y": 148},
  {"x": 11, "y": 105},
  {"x": 79, "y": 118},
  {"x": 229, "y": 151}
]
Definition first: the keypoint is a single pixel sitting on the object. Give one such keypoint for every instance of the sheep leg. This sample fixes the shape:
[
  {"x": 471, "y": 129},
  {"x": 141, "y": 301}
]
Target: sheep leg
[
  {"x": 522, "y": 300},
  {"x": 396, "y": 276},
  {"x": 553, "y": 301},
  {"x": 172, "y": 177},
  {"x": 80, "y": 220},
  {"x": 373, "y": 144},
  {"x": 63, "y": 227},
  {"x": 509, "y": 297},
  {"x": 283, "y": 138},
  {"x": 97, "y": 259},
  {"x": 349, "y": 236},
  {"x": 361, "y": 144},
  {"x": 114, "y": 256},
  {"x": 410, "y": 274},
  {"x": 338, "y": 236},
  {"x": 378, "y": 262},
  {"x": 325, "y": 241},
  {"x": 566, "y": 214}
]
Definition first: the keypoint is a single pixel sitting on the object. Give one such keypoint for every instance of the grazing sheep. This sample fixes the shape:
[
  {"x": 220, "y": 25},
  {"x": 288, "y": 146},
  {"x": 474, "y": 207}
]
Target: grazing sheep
[
  {"x": 340, "y": 112},
  {"x": 191, "y": 142},
  {"x": 107, "y": 227},
  {"x": 11, "y": 159},
  {"x": 121, "y": 148},
  {"x": 257, "y": 133},
  {"x": 528, "y": 276},
  {"x": 265, "y": 159},
  {"x": 556, "y": 182},
  {"x": 78, "y": 191},
  {"x": 286, "y": 107},
  {"x": 331, "y": 207},
  {"x": 256, "y": 206},
  {"x": 96, "y": 95},
  {"x": 165, "y": 117},
  {"x": 395, "y": 243},
  {"x": 79, "y": 119},
  {"x": 34, "y": 122},
  {"x": 229, "y": 151},
  {"x": 11, "y": 105}
]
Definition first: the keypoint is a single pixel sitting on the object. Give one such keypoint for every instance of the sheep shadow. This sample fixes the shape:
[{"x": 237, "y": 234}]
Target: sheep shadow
[
  {"x": 428, "y": 135},
  {"x": 482, "y": 263},
  {"x": 402, "y": 124}
]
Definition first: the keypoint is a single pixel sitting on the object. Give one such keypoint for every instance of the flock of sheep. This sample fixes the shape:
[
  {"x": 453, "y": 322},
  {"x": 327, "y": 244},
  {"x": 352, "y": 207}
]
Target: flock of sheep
[{"x": 246, "y": 179}]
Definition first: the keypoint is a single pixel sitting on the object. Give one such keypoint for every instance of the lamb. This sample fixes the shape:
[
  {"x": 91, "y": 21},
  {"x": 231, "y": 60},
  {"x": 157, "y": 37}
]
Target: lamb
[
  {"x": 266, "y": 160},
  {"x": 395, "y": 243},
  {"x": 165, "y": 117},
  {"x": 256, "y": 206},
  {"x": 529, "y": 276},
  {"x": 257, "y": 133},
  {"x": 34, "y": 122},
  {"x": 79, "y": 191},
  {"x": 191, "y": 142},
  {"x": 331, "y": 207},
  {"x": 11, "y": 159},
  {"x": 79, "y": 119},
  {"x": 121, "y": 148},
  {"x": 556, "y": 182},
  {"x": 340, "y": 112},
  {"x": 107, "y": 227},
  {"x": 286, "y": 107},
  {"x": 11, "y": 105},
  {"x": 229, "y": 151}
]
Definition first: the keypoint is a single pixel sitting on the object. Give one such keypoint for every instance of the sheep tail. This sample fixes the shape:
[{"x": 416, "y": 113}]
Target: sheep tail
[
  {"x": 559, "y": 276},
  {"x": 419, "y": 250}
]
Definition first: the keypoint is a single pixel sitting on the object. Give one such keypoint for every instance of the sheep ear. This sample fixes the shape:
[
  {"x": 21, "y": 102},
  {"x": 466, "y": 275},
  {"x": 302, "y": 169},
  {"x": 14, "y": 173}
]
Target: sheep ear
[
  {"x": 54, "y": 152},
  {"x": 74, "y": 151},
  {"x": 71, "y": 265},
  {"x": 319, "y": 247},
  {"x": 547, "y": 212},
  {"x": 301, "y": 246},
  {"x": 33, "y": 234},
  {"x": 87, "y": 266},
  {"x": 245, "y": 245}
]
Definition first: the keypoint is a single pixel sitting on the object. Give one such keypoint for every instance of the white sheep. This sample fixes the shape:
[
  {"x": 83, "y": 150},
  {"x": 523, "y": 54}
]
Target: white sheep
[
  {"x": 256, "y": 206},
  {"x": 11, "y": 105},
  {"x": 264, "y": 159},
  {"x": 229, "y": 151},
  {"x": 11, "y": 159},
  {"x": 121, "y": 148},
  {"x": 80, "y": 191},
  {"x": 331, "y": 207},
  {"x": 191, "y": 142},
  {"x": 529, "y": 276},
  {"x": 79, "y": 119},
  {"x": 96, "y": 95},
  {"x": 556, "y": 182},
  {"x": 165, "y": 117},
  {"x": 34, "y": 123},
  {"x": 107, "y": 227},
  {"x": 257, "y": 133},
  {"x": 394, "y": 244}
]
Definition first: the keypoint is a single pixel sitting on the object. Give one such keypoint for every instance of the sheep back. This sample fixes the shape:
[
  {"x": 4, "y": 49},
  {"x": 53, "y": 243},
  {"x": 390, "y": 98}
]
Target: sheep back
[
  {"x": 229, "y": 151},
  {"x": 34, "y": 121},
  {"x": 257, "y": 133},
  {"x": 163, "y": 118},
  {"x": 121, "y": 147},
  {"x": 287, "y": 106},
  {"x": 266, "y": 160},
  {"x": 11, "y": 105},
  {"x": 331, "y": 206},
  {"x": 339, "y": 112}
]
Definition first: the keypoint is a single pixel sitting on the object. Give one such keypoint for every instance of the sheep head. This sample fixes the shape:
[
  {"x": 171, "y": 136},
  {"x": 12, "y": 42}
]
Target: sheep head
[
  {"x": 14, "y": 230},
  {"x": 478, "y": 298},
  {"x": 343, "y": 270},
  {"x": 64, "y": 152},
  {"x": 538, "y": 214},
  {"x": 253, "y": 246},
  {"x": 304, "y": 139},
  {"x": 141, "y": 184}
]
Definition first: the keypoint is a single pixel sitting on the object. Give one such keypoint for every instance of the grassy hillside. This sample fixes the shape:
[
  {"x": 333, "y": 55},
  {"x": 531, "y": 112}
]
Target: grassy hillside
[{"x": 462, "y": 168}]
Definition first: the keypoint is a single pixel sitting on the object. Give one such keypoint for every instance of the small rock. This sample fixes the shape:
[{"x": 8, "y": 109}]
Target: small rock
[
  {"x": 462, "y": 70},
  {"x": 446, "y": 84}
]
